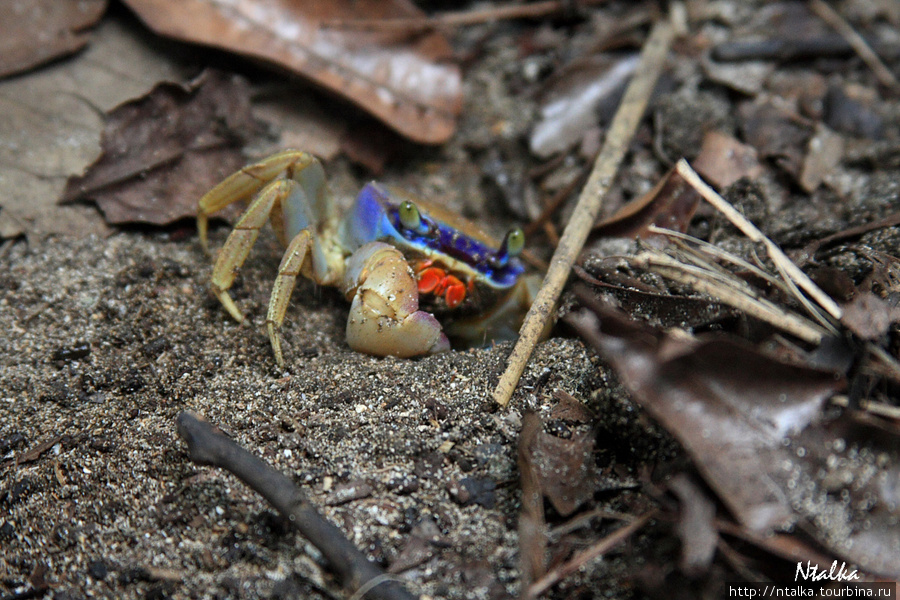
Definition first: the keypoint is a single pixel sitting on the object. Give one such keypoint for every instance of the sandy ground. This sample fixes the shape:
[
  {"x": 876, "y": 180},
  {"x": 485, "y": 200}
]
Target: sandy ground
[{"x": 108, "y": 340}]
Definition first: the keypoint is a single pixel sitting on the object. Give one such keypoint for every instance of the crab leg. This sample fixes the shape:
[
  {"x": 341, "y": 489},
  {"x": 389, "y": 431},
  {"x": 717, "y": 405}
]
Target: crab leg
[
  {"x": 240, "y": 241},
  {"x": 293, "y": 263},
  {"x": 246, "y": 182},
  {"x": 385, "y": 318}
]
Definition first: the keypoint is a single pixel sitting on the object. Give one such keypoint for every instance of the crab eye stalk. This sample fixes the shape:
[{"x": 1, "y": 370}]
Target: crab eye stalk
[
  {"x": 512, "y": 246},
  {"x": 411, "y": 218},
  {"x": 514, "y": 242}
]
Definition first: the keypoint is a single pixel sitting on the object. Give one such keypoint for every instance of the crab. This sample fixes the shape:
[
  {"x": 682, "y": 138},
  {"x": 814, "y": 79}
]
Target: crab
[{"x": 403, "y": 263}]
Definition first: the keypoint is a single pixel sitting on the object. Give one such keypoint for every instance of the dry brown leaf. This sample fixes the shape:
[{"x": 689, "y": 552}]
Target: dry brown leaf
[
  {"x": 301, "y": 121},
  {"x": 723, "y": 160},
  {"x": 163, "y": 151},
  {"x": 34, "y": 32},
  {"x": 857, "y": 519},
  {"x": 51, "y": 122},
  {"x": 564, "y": 469},
  {"x": 868, "y": 316},
  {"x": 747, "y": 77},
  {"x": 777, "y": 133},
  {"x": 729, "y": 405},
  {"x": 568, "y": 408},
  {"x": 824, "y": 153},
  {"x": 748, "y": 422},
  {"x": 401, "y": 80},
  {"x": 670, "y": 204}
]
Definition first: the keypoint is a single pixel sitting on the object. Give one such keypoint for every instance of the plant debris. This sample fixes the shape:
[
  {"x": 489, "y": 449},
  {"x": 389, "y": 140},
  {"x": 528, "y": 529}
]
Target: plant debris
[
  {"x": 209, "y": 446},
  {"x": 671, "y": 204},
  {"x": 563, "y": 469},
  {"x": 406, "y": 82},
  {"x": 728, "y": 404},
  {"x": 34, "y": 32},
  {"x": 756, "y": 429},
  {"x": 724, "y": 159},
  {"x": 162, "y": 152}
]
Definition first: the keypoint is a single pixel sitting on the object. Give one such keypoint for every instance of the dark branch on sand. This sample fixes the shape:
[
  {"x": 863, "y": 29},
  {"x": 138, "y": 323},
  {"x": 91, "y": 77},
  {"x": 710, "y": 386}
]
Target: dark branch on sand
[{"x": 208, "y": 445}]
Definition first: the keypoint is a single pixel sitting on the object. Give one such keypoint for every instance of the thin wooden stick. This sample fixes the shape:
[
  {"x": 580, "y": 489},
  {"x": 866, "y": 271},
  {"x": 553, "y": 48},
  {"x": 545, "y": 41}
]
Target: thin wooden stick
[
  {"x": 876, "y": 408},
  {"x": 729, "y": 293},
  {"x": 587, "y": 210},
  {"x": 856, "y": 41}
]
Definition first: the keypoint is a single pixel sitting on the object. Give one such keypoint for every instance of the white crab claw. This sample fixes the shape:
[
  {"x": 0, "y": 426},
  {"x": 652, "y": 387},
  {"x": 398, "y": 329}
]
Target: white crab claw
[{"x": 384, "y": 317}]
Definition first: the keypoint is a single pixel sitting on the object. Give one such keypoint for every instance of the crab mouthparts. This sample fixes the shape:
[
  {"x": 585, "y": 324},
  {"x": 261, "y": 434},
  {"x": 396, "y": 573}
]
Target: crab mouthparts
[{"x": 434, "y": 280}]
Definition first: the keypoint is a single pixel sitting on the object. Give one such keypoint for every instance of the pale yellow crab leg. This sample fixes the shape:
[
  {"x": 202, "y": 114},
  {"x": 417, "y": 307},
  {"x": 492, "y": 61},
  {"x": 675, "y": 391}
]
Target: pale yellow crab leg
[
  {"x": 241, "y": 239},
  {"x": 384, "y": 317},
  {"x": 293, "y": 264},
  {"x": 245, "y": 183}
]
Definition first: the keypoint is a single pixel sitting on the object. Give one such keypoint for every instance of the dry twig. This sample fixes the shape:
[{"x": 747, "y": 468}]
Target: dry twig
[
  {"x": 582, "y": 558},
  {"x": 731, "y": 291},
  {"x": 792, "y": 273},
  {"x": 837, "y": 22},
  {"x": 618, "y": 138},
  {"x": 876, "y": 408},
  {"x": 207, "y": 445}
]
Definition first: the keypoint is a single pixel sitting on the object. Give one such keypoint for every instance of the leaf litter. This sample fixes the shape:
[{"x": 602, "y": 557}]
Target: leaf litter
[
  {"x": 34, "y": 32},
  {"x": 755, "y": 428},
  {"x": 409, "y": 83},
  {"x": 51, "y": 124},
  {"x": 163, "y": 151}
]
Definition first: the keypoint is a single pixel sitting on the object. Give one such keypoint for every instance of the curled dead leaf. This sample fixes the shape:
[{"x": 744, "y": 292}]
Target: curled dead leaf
[
  {"x": 563, "y": 470},
  {"x": 670, "y": 204},
  {"x": 406, "y": 82},
  {"x": 724, "y": 159},
  {"x": 728, "y": 404},
  {"x": 755, "y": 430}
]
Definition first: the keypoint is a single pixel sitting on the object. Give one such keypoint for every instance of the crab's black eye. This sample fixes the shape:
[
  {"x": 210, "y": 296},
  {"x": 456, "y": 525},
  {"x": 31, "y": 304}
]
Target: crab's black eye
[
  {"x": 512, "y": 246},
  {"x": 410, "y": 217}
]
